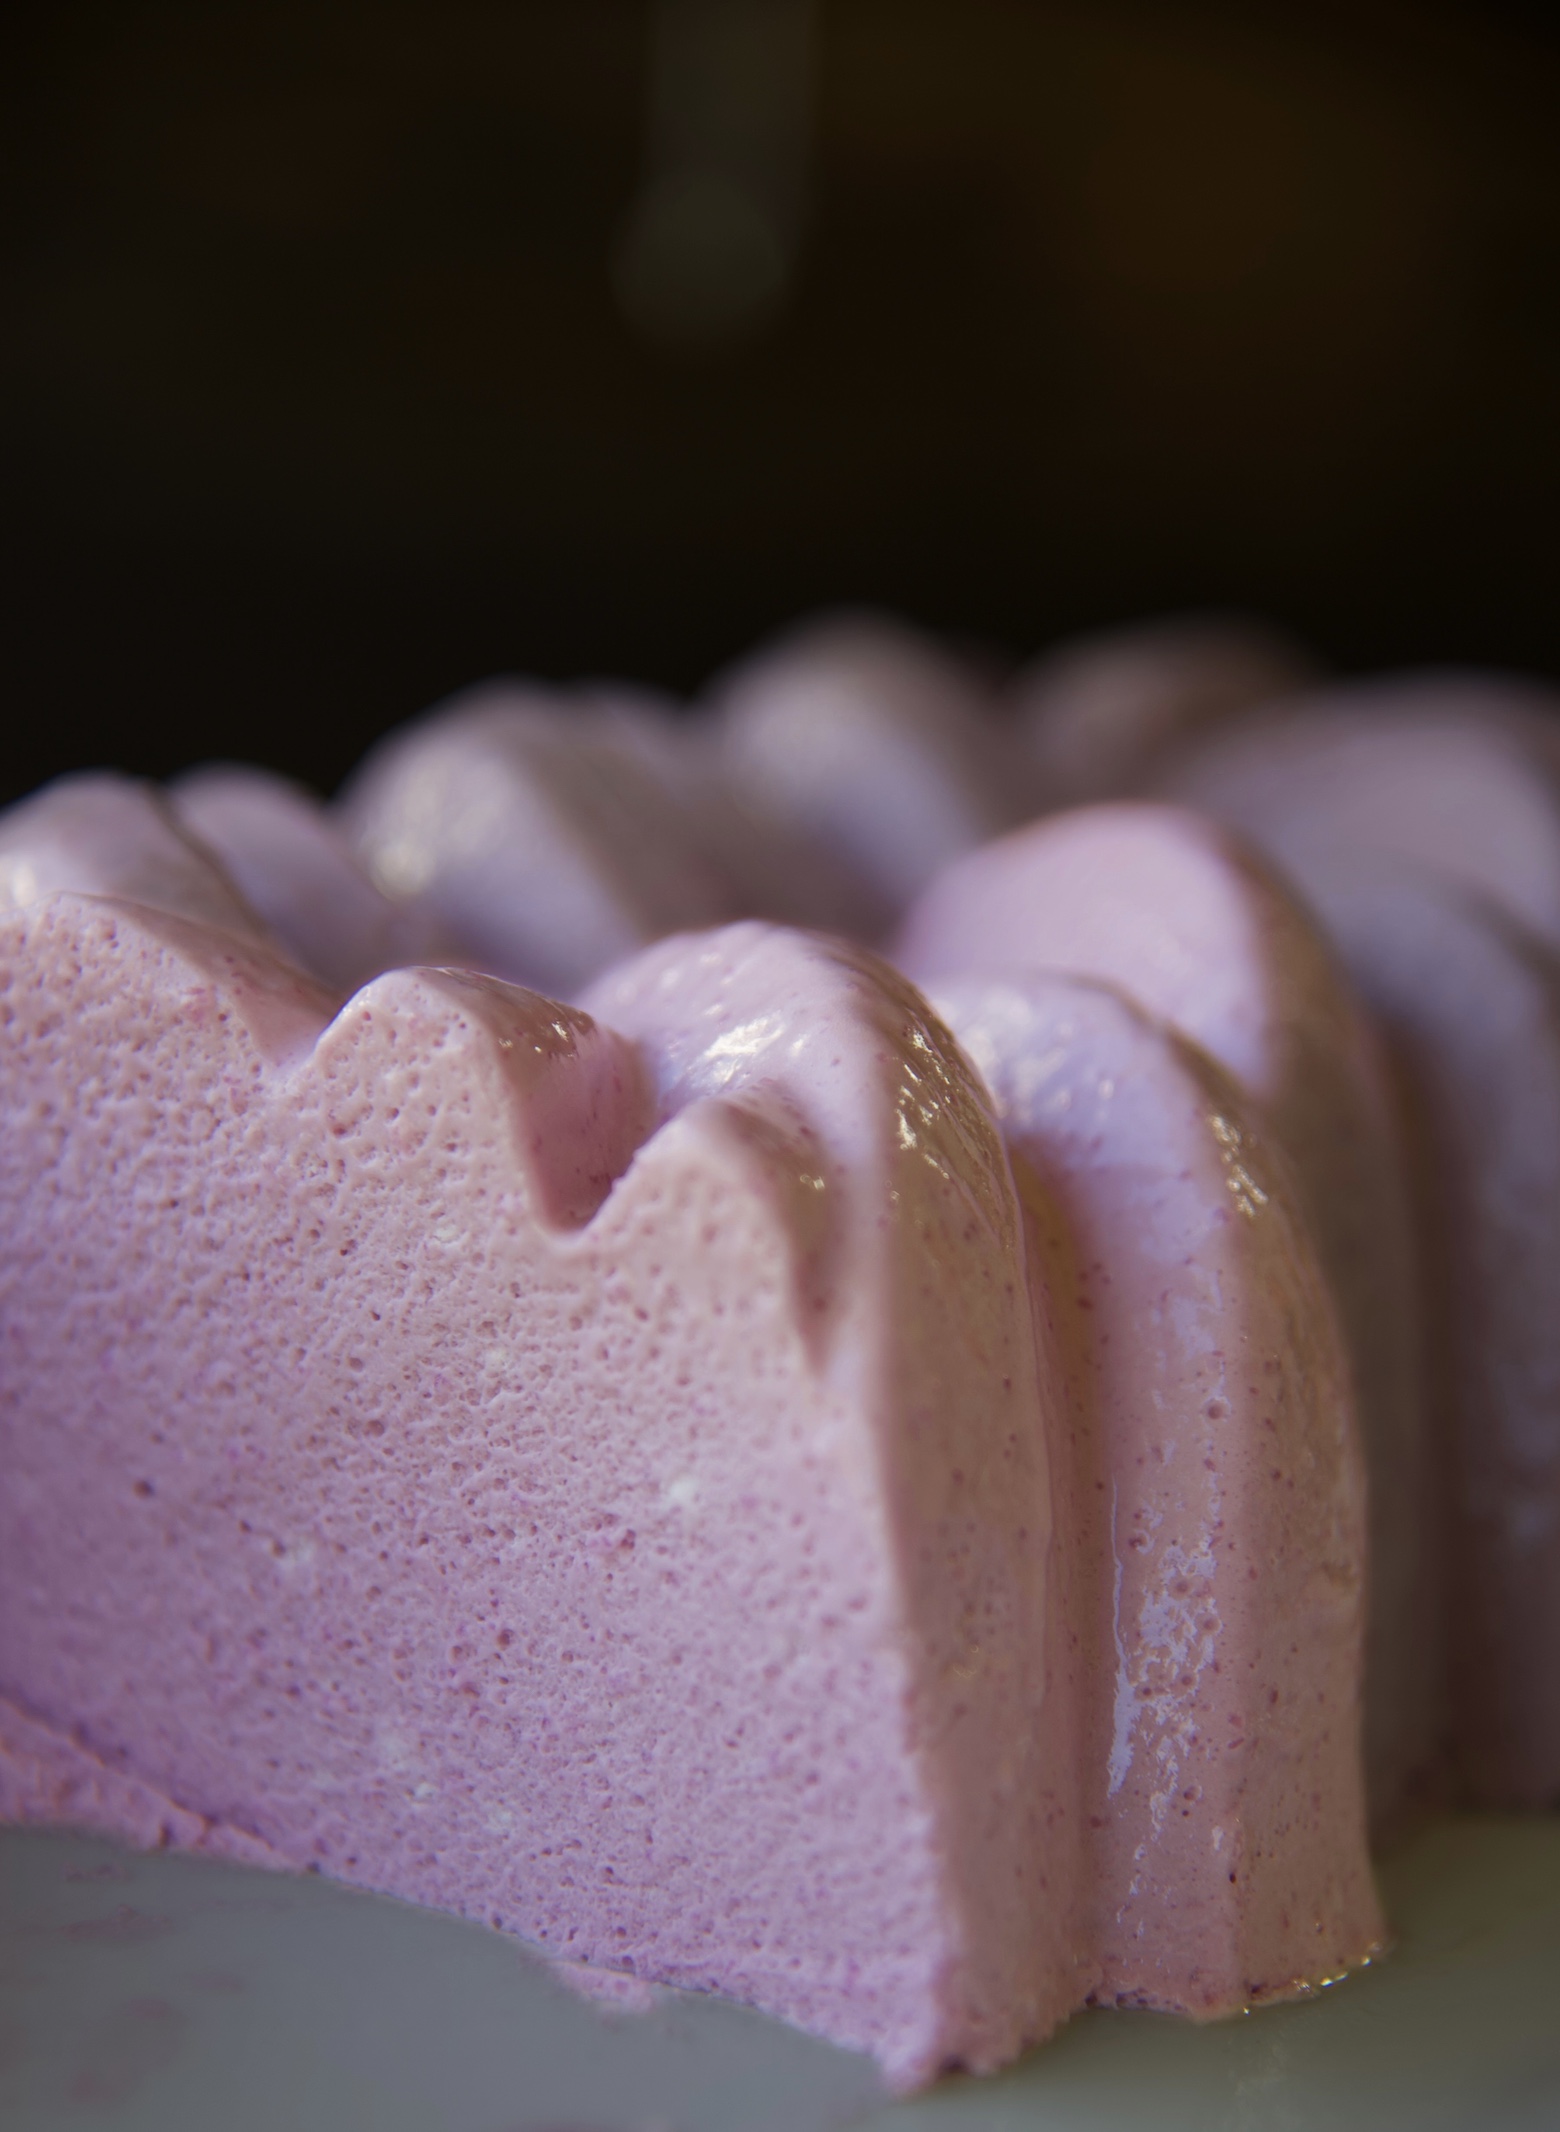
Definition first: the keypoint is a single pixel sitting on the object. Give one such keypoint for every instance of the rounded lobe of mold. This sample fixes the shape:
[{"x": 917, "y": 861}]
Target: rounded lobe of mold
[
  {"x": 1472, "y": 1002},
  {"x": 546, "y": 850},
  {"x": 578, "y": 1093},
  {"x": 1152, "y": 898},
  {"x": 1411, "y": 815},
  {"x": 1457, "y": 773},
  {"x": 1097, "y": 714},
  {"x": 771, "y": 1024},
  {"x": 929, "y": 1237},
  {"x": 99, "y": 834},
  {"x": 293, "y": 866},
  {"x": 1218, "y": 1503},
  {"x": 774, "y": 871},
  {"x": 873, "y": 743},
  {"x": 887, "y": 1116},
  {"x": 1169, "y": 907}
]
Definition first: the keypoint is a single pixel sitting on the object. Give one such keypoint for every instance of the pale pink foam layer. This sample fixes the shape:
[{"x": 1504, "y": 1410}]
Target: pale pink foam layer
[
  {"x": 1166, "y": 905},
  {"x": 633, "y": 1534},
  {"x": 1217, "y": 1497}
]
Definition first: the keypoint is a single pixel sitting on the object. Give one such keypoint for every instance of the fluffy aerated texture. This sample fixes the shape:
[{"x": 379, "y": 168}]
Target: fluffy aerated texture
[
  {"x": 592, "y": 1481},
  {"x": 1170, "y": 908},
  {"x": 1217, "y": 1496}
]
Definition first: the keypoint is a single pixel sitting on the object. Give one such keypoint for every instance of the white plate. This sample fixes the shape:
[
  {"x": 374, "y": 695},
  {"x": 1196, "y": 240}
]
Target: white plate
[{"x": 166, "y": 1994}]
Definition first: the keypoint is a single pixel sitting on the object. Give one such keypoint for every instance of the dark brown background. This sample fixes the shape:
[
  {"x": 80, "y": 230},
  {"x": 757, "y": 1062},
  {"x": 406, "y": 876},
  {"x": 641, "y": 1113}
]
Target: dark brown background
[{"x": 315, "y": 402}]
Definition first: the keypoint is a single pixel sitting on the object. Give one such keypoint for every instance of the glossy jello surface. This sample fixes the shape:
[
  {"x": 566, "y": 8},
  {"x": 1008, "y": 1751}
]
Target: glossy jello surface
[
  {"x": 1217, "y": 1489},
  {"x": 1173, "y": 910}
]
